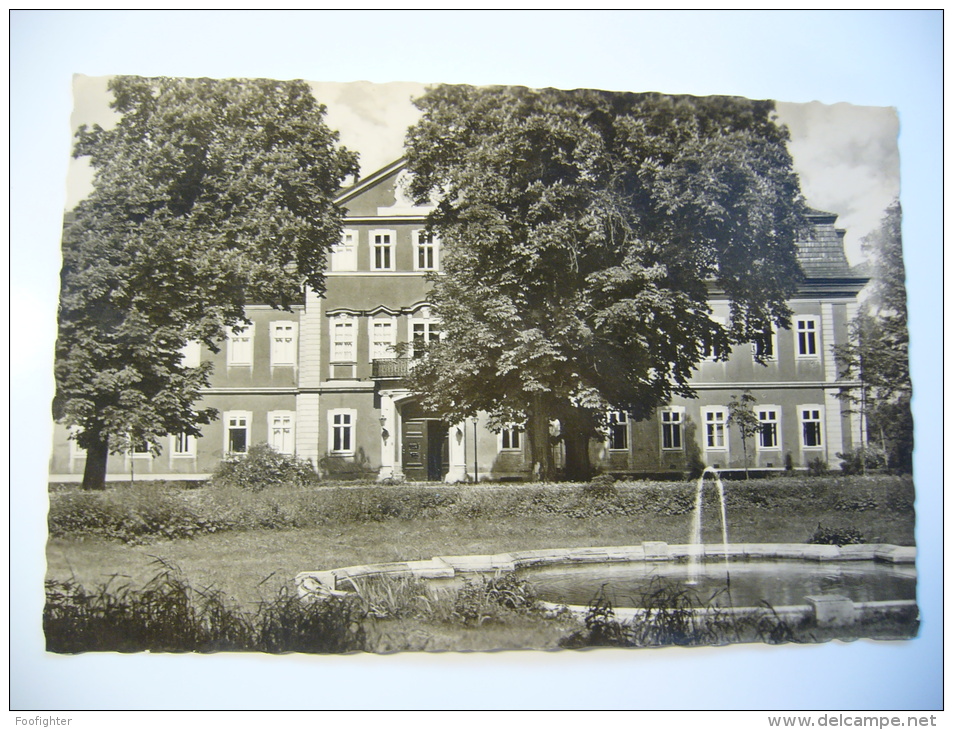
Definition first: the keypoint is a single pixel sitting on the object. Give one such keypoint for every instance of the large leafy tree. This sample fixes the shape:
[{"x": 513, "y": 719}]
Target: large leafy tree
[
  {"x": 584, "y": 233},
  {"x": 878, "y": 353},
  {"x": 207, "y": 195}
]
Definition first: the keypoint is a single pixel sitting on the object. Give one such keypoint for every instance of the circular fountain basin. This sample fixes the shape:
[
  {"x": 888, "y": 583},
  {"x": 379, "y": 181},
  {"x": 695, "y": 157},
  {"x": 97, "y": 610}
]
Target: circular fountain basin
[{"x": 777, "y": 582}]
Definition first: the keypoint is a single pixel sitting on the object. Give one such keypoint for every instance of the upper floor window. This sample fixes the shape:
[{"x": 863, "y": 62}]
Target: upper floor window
[
  {"x": 715, "y": 420},
  {"x": 284, "y": 343},
  {"x": 806, "y": 332},
  {"x": 618, "y": 431},
  {"x": 237, "y": 432},
  {"x": 714, "y": 350},
  {"x": 425, "y": 251},
  {"x": 765, "y": 347},
  {"x": 382, "y": 250},
  {"x": 344, "y": 253},
  {"x": 768, "y": 430},
  {"x": 383, "y": 336},
  {"x": 812, "y": 435},
  {"x": 240, "y": 348},
  {"x": 671, "y": 428},
  {"x": 342, "y": 338},
  {"x": 191, "y": 354},
  {"x": 342, "y": 430},
  {"x": 424, "y": 332},
  {"x": 281, "y": 431},
  {"x": 511, "y": 438}
]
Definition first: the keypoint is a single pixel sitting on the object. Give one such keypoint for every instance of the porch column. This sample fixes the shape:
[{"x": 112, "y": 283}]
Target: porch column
[
  {"x": 390, "y": 432},
  {"x": 458, "y": 453}
]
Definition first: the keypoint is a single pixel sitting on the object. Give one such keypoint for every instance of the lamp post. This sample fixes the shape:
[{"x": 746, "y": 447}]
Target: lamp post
[{"x": 476, "y": 473}]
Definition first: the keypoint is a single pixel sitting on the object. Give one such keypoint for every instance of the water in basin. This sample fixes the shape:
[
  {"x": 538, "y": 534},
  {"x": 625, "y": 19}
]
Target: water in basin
[{"x": 780, "y": 583}]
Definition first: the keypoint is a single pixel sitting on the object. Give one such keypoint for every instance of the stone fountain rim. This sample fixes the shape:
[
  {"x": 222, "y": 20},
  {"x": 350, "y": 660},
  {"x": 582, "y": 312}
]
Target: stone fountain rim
[{"x": 328, "y": 582}]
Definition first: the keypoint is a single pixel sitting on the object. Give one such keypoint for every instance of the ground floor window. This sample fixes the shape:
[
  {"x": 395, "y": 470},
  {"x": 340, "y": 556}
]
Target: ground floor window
[
  {"x": 237, "y": 432},
  {"x": 768, "y": 430},
  {"x": 281, "y": 431},
  {"x": 618, "y": 431},
  {"x": 342, "y": 431},
  {"x": 811, "y": 432},
  {"x": 715, "y": 419},
  {"x": 671, "y": 429},
  {"x": 511, "y": 438},
  {"x": 183, "y": 444}
]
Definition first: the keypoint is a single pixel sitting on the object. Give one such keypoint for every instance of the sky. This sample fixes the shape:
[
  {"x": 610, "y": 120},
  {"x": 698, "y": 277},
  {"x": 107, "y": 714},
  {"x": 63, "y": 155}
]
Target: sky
[{"x": 846, "y": 156}]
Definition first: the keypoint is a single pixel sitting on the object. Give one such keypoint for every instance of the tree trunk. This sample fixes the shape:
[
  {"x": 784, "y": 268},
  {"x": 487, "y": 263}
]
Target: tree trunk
[
  {"x": 578, "y": 464},
  {"x": 538, "y": 431},
  {"x": 94, "y": 474}
]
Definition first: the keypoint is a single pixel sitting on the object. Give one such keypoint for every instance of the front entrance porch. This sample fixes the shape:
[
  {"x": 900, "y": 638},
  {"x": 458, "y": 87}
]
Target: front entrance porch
[{"x": 416, "y": 444}]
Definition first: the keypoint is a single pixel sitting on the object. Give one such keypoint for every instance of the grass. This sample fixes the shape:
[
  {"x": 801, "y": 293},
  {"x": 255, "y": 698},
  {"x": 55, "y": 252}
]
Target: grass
[{"x": 268, "y": 537}]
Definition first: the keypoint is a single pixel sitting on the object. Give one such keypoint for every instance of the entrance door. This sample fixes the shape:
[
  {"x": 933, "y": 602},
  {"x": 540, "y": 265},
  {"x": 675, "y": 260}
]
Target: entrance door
[
  {"x": 414, "y": 448},
  {"x": 438, "y": 451},
  {"x": 425, "y": 452}
]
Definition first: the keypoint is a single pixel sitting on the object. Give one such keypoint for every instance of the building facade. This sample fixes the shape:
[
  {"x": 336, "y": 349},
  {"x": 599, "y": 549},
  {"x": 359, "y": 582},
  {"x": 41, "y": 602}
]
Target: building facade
[{"x": 325, "y": 381}]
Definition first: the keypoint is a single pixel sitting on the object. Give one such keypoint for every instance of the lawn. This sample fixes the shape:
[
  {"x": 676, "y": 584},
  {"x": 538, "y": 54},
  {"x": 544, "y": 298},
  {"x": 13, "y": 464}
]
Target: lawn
[{"x": 248, "y": 562}]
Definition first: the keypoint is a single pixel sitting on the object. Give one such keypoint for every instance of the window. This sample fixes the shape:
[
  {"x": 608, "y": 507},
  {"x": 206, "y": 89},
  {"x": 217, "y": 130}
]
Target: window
[
  {"x": 618, "y": 431},
  {"x": 183, "y": 445},
  {"x": 714, "y": 420},
  {"x": 342, "y": 342},
  {"x": 344, "y": 254},
  {"x": 805, "y": 329},
  {"x": 237, "y": 432},
  {"x": 425, "y": 251},
  {"x": 811, "y": 433},
  {"x": 140, "y": 447},
  {"x": 342, "y": 431},
  {"x": 75, "y": 450},
  {"x": 382, "y": 250},
  {"x": 191, "y": 354},
  {"x": 768, "y": 432},
  {"x": 713, "y": 350},
  {"x": 671, "y": 429},
  {"x": 240, "y": 347},
  {"x": 766, "y": 346},
  {"x": 424, "y": 332},
  {"x": 281, "y": 431},
  {"x": 511, "y": 438},
  {"x": 284, "y": 343},
  {"x": 383, "y": 336}
]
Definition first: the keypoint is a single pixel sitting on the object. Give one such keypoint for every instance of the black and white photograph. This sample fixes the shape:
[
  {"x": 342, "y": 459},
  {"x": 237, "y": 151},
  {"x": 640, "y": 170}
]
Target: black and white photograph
[
  {"x": 414, "y": 369},
  {"x": 573, "y": 368}
]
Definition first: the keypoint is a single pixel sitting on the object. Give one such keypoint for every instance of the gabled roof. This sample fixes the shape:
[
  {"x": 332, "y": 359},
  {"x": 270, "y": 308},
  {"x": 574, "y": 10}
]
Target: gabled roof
[{"x": 370, "y": 181}]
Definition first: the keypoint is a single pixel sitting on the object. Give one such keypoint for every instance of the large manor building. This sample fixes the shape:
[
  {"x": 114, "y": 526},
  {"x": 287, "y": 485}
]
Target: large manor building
[{"x": 325, "y": 381}]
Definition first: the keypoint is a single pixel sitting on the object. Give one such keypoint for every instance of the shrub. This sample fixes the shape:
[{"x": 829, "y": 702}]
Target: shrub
[
  {"x": 492, "y": 599},
  {"x": 263, "y": 468},
  {"x": 132, "y": 514},
  {"x": 817, "y": 467},
  {"x": 602, "y": 486},
  {"x": 862, "y": 459},
  {"x": 840, "y": 535}
]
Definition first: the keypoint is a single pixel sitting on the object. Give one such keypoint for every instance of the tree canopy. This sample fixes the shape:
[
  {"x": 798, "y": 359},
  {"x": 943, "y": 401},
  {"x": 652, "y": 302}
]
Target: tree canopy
[
  {"x": 584, "y": 233},
  {"x": 207, "y": 195},
  {"x": 878, "y": 352}
]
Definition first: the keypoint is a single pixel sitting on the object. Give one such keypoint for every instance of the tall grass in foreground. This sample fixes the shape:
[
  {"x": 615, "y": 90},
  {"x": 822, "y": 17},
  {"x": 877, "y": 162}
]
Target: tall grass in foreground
[
  {"x": 673, "y": 615},
  {"x": 170, "y": 615},
  {"x": 401, "y": 614}
]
